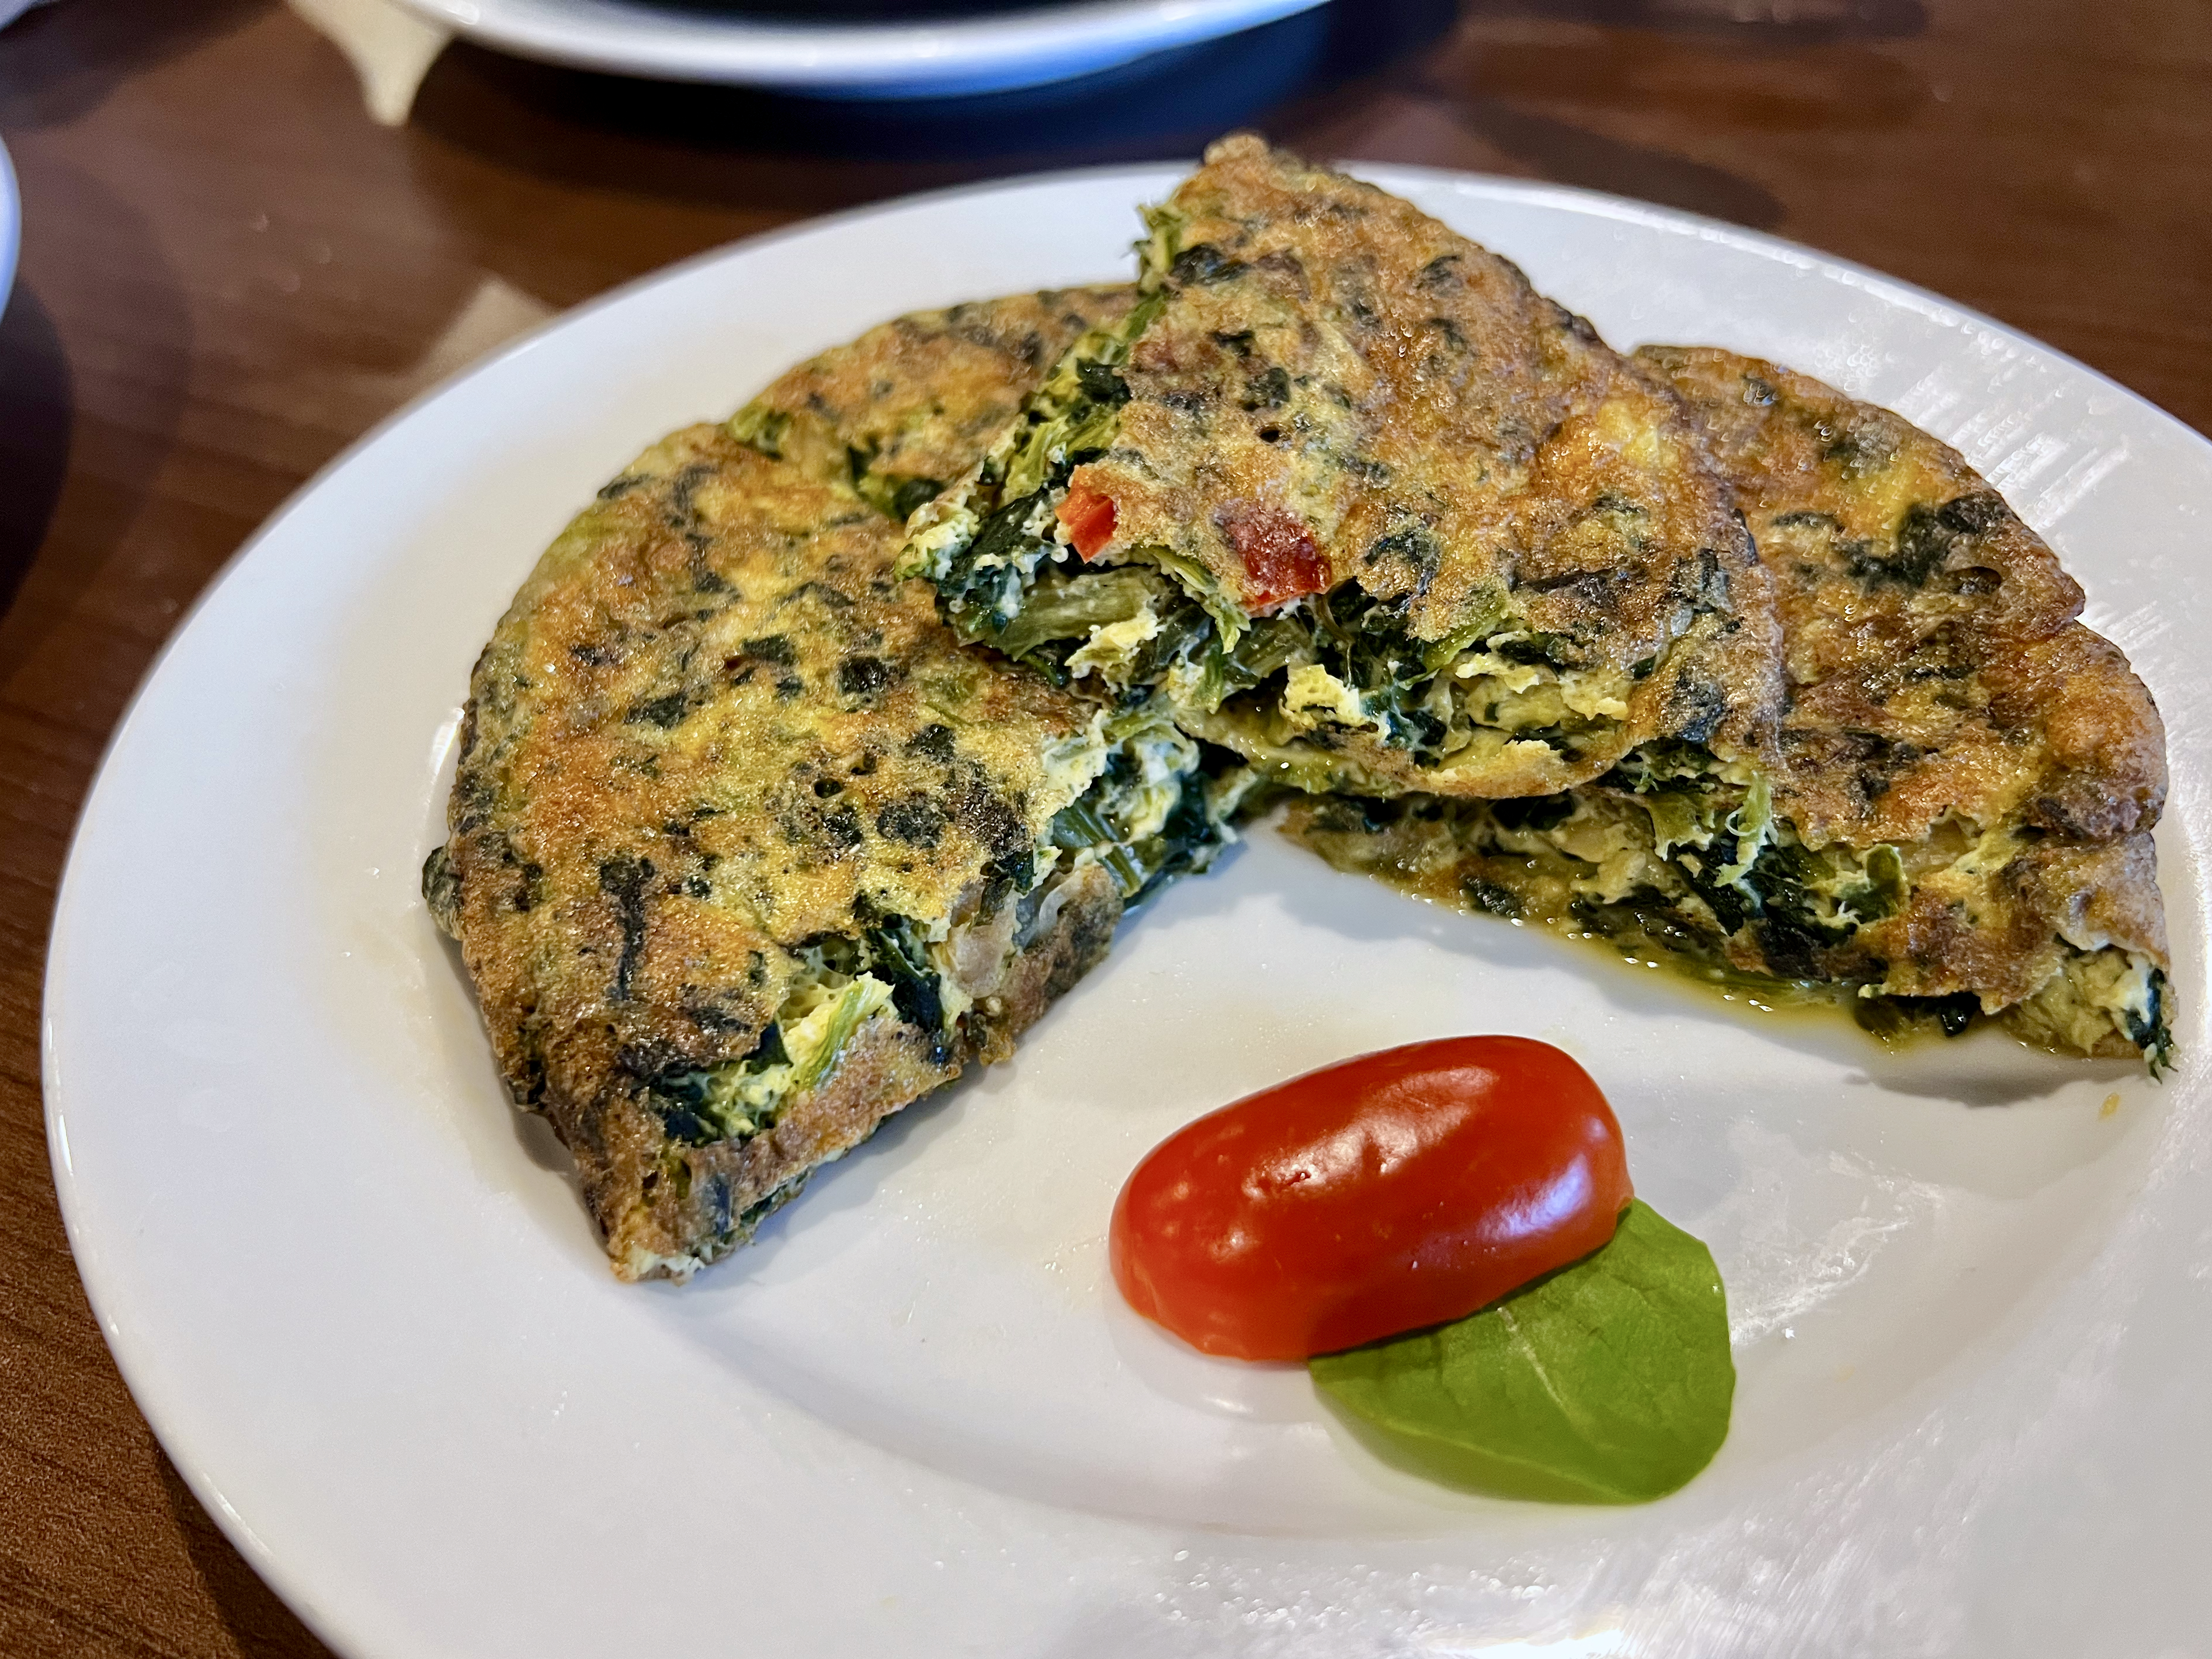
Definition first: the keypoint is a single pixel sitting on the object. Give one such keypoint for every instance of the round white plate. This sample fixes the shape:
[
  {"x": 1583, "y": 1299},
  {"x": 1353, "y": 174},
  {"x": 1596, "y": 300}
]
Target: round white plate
[
  {"x": 989, "y": 52},
  {"x": 362, "y": 1307},
  {"x": 11, "y": 225}
]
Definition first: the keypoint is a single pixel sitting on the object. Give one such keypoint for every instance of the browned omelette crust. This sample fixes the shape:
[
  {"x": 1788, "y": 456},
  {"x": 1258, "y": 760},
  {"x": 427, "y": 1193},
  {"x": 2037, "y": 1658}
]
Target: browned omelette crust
[
  {"x": 1935, "y": 664},
  {"x": 1938, "y": 683},
  {"x": 712, "y": 728},
  {"x": 911, "y": 404},
  {"x": 1330, "y": 359},
  {"x": 1958, "y": 818}
]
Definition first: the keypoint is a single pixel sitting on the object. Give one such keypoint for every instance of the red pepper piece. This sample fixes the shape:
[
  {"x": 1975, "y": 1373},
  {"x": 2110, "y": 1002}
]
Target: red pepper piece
[
  {"x": 1280, "y": 558},
  {"x": 1088, "y": 517}
]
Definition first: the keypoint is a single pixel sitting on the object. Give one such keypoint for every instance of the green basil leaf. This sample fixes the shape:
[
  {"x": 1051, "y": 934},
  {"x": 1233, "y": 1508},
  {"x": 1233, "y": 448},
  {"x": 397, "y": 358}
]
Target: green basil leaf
[{"x": 1607, "y": 1382}]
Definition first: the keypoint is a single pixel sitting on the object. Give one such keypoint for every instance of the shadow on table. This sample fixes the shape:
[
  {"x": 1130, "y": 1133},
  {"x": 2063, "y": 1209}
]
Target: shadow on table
[
  {"x": 36, "y": 397},
  {"x": 1371, "y": 79},
  {"x": 87, "y": 419},
  {"x": 1537, "y": 80},
  {"x": 751, "y": 149},
  {"x": 61, "y": 62},
  {"x": 1567, "y": 154},
  {"x": 1557, "y": 85},
  {"x": 1764, "y": 22},
  {"x": 261, "y": 1625}
]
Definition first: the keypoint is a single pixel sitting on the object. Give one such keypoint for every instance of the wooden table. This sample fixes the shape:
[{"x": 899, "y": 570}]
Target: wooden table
[{"x": 230, "y": 272}]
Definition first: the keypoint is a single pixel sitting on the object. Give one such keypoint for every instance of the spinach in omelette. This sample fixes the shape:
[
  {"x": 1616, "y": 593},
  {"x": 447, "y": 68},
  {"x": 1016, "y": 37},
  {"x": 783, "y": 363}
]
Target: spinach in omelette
[
  {"x": 753, "y": 842},
  {"x": 746, "y": 850},
  {"x": 1365, "y": 506},
  {"x": 1956, "y": 822},
  {"x": 1680, "y": 650}
]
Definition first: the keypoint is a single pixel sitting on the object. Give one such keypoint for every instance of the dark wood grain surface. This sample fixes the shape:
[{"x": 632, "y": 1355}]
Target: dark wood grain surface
[{"x": 230, "y": 272}]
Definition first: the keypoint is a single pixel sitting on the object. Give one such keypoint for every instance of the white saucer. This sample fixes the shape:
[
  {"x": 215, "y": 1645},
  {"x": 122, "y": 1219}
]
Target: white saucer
[
  {"x": 990, "y": 52},
  {"x": 11, "y": 225}
]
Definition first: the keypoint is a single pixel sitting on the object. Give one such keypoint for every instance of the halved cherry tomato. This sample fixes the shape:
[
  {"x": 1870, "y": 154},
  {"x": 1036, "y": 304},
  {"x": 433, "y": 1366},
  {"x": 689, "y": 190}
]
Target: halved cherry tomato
[
  {"x": 1278, "y": 550},
  {"x": 1376, "y": 1195},
  {"x": 1088, "y": 517}
]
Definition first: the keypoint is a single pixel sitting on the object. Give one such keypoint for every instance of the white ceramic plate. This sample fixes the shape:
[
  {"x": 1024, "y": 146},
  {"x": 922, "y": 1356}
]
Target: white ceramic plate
[
  {"x": 11, "y": 225},
  {"x": 362, "y": 1307},
  {"x": 990, "y": 52}
]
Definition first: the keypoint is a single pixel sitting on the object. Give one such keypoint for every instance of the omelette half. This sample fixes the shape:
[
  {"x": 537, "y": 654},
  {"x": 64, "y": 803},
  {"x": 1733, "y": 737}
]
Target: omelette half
[
  {"x": 746, "y": 851},
  {"x": 1365, "y": 506},
  {"x": 1956, "y": 821}
]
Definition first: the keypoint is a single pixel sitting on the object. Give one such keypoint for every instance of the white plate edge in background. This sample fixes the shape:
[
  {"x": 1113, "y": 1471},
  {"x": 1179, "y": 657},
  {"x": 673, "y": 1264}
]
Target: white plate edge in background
[
  {"x": 995, "y": 52},
  {"x": 11, "y": 225}
]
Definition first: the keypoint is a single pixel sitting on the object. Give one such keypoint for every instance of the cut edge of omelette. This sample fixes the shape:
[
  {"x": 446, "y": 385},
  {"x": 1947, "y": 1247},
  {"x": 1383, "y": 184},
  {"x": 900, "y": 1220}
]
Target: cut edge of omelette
[
  {"x": 1313, "y": 587},
  {"x": 1957, "y": 824},
  {"x": 713, "y": 976}
]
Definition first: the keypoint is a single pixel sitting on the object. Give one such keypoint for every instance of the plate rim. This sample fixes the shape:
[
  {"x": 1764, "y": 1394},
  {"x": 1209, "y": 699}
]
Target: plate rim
[
  {"x": 11, "y": 226},
  {"x": 131, "y": 1354},
  {"x": 996, "y": 53}
]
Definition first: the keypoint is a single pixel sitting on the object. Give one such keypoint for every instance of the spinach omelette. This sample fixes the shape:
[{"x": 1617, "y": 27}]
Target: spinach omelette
[
  {"x": 1677, "y": 649},
  {"x": 746, "y": 851},
  {"x": 1956, "y": 823},
  {"x": 753, "y": 843},
  {"x": 1367, "y": 507}
]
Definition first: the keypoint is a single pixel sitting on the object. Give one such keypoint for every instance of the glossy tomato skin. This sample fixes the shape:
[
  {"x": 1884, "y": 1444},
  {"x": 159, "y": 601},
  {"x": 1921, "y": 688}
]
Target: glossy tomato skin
[{"x": 1378, "y": 1195}]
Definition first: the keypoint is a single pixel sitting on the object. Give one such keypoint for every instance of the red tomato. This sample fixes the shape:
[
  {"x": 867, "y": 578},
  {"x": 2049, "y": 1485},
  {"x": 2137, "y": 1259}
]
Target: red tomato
[
  {"x": 1376, "y": 1195},
  {"x": 1278, "y": 552},
  {"x": 1088, "y": 517}
]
